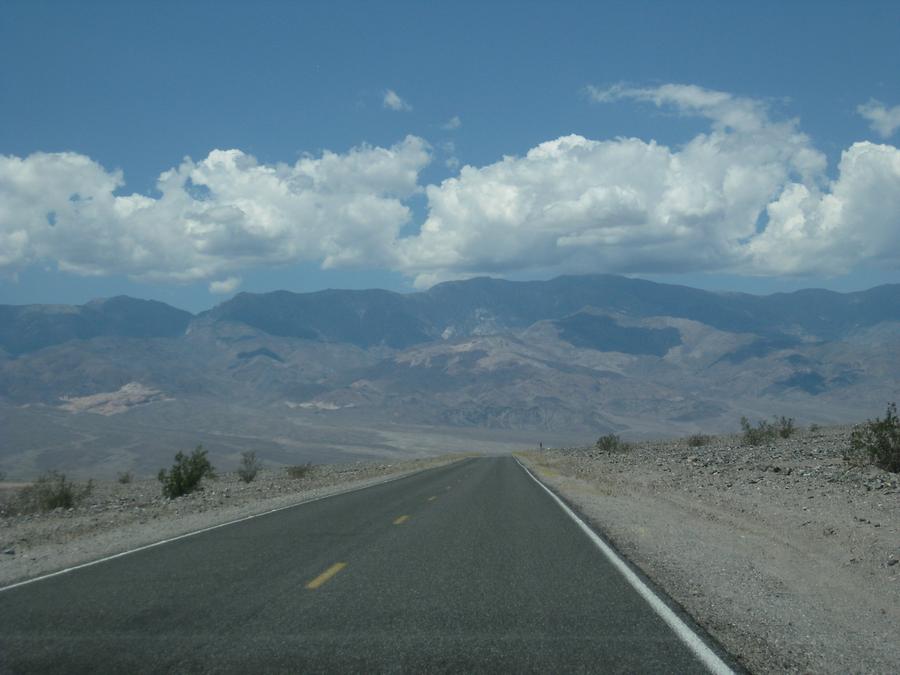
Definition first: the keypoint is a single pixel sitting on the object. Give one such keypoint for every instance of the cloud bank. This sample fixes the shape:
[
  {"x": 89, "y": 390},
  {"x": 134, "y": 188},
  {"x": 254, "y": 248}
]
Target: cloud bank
[{"x": 750, "y": 195}]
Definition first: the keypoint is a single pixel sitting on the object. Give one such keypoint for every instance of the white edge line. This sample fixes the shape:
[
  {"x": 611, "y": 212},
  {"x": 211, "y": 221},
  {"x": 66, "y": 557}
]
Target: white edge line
[
  {"x": 693, "y": 641},
  {"x": 214, "y": 527}
]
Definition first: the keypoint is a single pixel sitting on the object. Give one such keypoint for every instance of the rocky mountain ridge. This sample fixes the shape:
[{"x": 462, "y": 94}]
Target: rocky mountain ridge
[
  {"x": 374, "y": 317},
  {"x": 576, "y": 355}
]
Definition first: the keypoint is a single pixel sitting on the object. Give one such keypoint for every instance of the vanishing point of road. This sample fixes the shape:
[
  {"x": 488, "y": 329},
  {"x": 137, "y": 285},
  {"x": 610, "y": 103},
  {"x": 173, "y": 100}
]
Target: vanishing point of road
[{"x": 470, "y": 567}]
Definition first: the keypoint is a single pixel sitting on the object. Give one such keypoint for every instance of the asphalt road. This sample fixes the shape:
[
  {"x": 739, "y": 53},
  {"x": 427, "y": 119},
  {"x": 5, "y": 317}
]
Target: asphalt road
[{"x": 471, "y": 567}]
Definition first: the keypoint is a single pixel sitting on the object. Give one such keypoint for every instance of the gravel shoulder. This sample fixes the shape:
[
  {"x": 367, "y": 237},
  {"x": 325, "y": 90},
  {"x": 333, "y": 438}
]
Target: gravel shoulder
[
  {"x": 784, "y": 552},
  {"x": 119, "y": 517}
]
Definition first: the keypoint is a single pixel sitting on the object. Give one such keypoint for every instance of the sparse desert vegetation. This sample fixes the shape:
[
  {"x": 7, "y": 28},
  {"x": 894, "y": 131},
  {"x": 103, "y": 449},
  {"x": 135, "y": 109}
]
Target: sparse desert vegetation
[
  {"x": 52, "y": 490},
  {"x": 785, "y": 426},
  {"x": 249, "y": 466},
  {"x": 298, "y": 470},
  {"x": 186, "y": 473},
  {"x": 765, "y": 431},
  {"x": 611, "y": 443},
  {"x": 698, "y": 440},
  {"x": 878, "y": 441}
]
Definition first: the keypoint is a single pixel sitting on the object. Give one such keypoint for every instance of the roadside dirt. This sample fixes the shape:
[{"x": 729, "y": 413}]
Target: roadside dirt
[
  {"x": 784, "y": 552},
  {"x": 118, "y": 517}
]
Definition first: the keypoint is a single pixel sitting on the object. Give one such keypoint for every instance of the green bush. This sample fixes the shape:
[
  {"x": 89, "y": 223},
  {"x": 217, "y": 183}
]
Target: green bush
[
  {"x": 612, "y": 443},
  {"x": 186, "y": 473},
  {"x": 52, "y": 491},
  {"x": 125, "y": 477},
  {"x": 298, "y": 470},
  {"x": 697, "y": 440},
  {"x": 249, "y": 467},
  {"x": 880, "y": 440}
]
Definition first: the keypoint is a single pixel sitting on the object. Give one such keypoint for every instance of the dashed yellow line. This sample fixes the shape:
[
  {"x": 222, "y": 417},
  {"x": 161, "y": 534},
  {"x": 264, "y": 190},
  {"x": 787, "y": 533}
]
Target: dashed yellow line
[
  {"x": 401, "y": 520},
  {"x": 326, "y": 575}
]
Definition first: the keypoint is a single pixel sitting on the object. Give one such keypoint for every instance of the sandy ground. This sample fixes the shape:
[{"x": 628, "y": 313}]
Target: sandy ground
[
  {"x": 118, "y": 517},
  {"x": 787, "y": 554}
]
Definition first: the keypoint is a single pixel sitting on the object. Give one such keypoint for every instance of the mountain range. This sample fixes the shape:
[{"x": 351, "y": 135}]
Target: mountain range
[{"x": 487, "y": 359}]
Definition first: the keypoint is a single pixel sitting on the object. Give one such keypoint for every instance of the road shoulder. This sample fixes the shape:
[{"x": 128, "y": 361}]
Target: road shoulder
[{"x": 788, "y": 576}]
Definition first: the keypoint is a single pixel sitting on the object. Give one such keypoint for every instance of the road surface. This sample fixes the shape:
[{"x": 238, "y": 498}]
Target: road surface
[{"x": 471, "y": 567}]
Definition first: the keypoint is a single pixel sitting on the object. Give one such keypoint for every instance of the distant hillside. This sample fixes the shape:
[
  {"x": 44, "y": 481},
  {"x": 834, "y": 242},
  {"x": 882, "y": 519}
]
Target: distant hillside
[
  {"x": 483, "y": 305},
  {"x": 575, "y": 356},
  {"x": 476, "y": 306},
  {"x": 27, "y": 328},
  {"x": 362, "y": 318}
]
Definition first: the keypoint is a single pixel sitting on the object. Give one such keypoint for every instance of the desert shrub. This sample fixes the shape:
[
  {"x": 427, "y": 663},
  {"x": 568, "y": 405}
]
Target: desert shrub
[
  {"x": 298, "y": 470},
  {"x": 611, "y": 443},
  {"x": 879, "y": 439},
  {"x": 249, "y": 467},
  {"x": 186, "y": 473},
  {"x": 52, "y": 490},
  {"x": 763, "y": 432},
  {"x": 856, "y": 456},
  {"x": 697, "y": 440},
  {"x": 814, "y": 428},
  {"x": 785, "y": 426},
  {"x": 766, "y": 432},
  {"x": 125, "y": 477}
]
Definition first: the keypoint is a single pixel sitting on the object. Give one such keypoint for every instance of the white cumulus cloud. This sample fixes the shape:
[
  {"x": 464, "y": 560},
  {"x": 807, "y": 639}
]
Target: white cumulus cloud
[
  {"x": 225, "y": 286},
  {"x": 854, "y": 219},
  {"x": 392, "y": 101},
  {"x": 882, "y": 119},
  {"x": 452, "y": 124},
  {"x": 224, "y": 213},
  {"x": 749, "y": 195},
  {"x": 626, "y": 205}
]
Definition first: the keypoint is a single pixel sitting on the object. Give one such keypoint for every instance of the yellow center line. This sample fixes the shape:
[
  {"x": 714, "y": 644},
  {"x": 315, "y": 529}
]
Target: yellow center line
[
  {"x": 432, "y": 498},
  {"x": 326, "y": 575},
  {"x": 401, "y": 520}
]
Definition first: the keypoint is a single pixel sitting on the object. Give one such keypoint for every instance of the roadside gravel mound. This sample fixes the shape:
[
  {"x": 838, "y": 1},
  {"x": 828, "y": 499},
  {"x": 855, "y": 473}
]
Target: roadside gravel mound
[
  {"x": 118, "y": 517},
  {"x": 786, "y": 553}
]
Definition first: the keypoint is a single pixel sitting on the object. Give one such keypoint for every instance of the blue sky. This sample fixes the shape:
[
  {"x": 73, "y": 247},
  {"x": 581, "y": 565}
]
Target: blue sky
[{"x": 705, "y": 142}]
